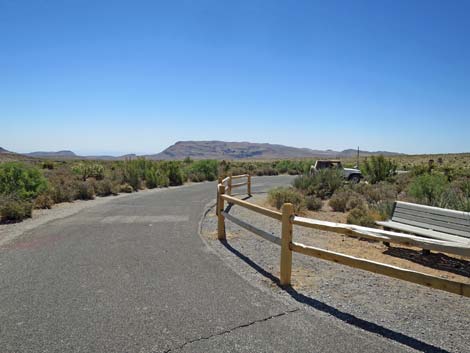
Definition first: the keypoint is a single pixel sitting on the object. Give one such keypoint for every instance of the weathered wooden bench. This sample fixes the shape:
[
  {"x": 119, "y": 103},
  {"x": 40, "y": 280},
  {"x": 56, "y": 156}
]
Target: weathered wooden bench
[{"x": 430, "y": 222}]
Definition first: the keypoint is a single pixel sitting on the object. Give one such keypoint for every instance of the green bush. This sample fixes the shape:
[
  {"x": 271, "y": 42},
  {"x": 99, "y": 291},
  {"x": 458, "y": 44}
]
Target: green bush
[
  {"x": 378, "y": 168},
  {"x": 14, "y": 209},
  {"x": 22, "y": 180},
  {"x": 89, "y": 170},
  {"x": 151, "y": 178},
  {"x": 280, "y": 195},
  {"x": 305, "y": 183},
  {"x": 175, "y": 175},
  {"x": 361, "y": 216},
  {"x": 133, "y": 173},
  {"x": 203, "y": 170},
  {"x": 322, "y": 184},
  {"x": 429, "y": 188},
  {"x": 313, "y": 203}
]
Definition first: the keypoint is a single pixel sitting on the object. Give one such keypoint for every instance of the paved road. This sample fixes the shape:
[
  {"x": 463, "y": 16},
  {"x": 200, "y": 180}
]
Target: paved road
[{"x": 133, "y": 275}]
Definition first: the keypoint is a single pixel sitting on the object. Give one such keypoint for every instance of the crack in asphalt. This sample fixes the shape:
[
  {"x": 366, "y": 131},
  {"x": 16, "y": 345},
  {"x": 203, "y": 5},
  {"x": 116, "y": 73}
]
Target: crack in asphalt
[{"x": 228, "y": 331}]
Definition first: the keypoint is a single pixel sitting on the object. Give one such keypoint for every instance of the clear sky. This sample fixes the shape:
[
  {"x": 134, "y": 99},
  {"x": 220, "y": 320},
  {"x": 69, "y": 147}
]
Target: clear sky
[{"x": 136, "y": 76}]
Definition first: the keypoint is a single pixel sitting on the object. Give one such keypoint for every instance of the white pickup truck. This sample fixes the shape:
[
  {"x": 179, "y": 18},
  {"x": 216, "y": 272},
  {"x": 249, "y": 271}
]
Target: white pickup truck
[{"x": 351, "y": 174}]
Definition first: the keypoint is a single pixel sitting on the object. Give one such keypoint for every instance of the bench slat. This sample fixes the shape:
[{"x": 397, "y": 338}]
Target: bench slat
[
  {"x": 431, "y": 222},
  {"x": 433, "y": 210},
  {"x": 433, "y": 227},
  {"x": 423, "y": 232},
  {"x": 464, "y": 222}
]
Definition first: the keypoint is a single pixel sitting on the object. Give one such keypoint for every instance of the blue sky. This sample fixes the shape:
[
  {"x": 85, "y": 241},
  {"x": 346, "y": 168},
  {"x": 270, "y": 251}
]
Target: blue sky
[{"x": 136, "y": 76}]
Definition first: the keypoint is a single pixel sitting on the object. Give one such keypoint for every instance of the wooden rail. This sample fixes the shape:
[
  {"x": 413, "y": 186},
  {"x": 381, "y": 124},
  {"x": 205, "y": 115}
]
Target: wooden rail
[
  {"x": 288, "y": 220},
  {"x": 384, "y": 235},
  {"x": 229, "y": 181}
]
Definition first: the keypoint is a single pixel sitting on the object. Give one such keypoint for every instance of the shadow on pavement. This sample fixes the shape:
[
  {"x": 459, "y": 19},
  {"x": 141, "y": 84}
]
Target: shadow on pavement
[{"x": 341, "y": 315}]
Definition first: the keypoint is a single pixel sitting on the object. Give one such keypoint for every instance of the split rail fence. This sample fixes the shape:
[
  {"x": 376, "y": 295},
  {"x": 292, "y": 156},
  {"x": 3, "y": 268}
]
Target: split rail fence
[{"x": 288, "y": 219}]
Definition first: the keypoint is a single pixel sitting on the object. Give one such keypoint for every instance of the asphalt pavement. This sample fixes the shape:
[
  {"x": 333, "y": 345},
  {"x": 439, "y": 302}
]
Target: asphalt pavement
[{"x": 133, "y": 275}]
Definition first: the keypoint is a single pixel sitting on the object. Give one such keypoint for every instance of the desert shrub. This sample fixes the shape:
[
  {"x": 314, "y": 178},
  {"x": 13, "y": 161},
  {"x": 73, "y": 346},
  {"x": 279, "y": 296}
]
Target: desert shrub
[
  {"x": 85, "y": 191},
  {"x": 14, "y": 209},
  {"x": 327, "y": 182},
  {"x": 43, "y": 201},
  {"x": 151, "y": 178},
  {"x": 89, "y": 170},
  {"x": 162, "y": 179},
  {"x": 132, "y": 174},
  {"x": 313, "y": 203},
  {"x": 126, "y": 188},
  {"x": 290, "y": 167},
  {"x": 48, "y": 165},
  {"x": 305, "y": 183},
  {"x": 280, "y": 195},
  {"x": 105, "y": 188},
  {"x": 346, "y": 199},
  {"x": 457, "y": 196},
  {"x": 22, "y": 180},
  {"x": 322, "y": 184},
  {"x": 63, "y": 185},
  {"x": 203, "y": 170},
  {"x": 428, "y": 188},
  {"x": 361, "y": 216},
  {"x": 402, "y": 181},
  {"x": 175, "y": 175},
  {"x": 339, "y": 201},
  {"x": 355, "y": 200},
  {"x": 383, "y": 210},
  {"x": 283, "y": 166},
  {"x": 378, "y": 168},
  {"x": 377, "y": 192}
]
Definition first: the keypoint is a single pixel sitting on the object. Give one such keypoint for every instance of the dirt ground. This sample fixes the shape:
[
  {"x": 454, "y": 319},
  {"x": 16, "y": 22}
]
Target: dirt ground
[{"x": 449, "y": 266}]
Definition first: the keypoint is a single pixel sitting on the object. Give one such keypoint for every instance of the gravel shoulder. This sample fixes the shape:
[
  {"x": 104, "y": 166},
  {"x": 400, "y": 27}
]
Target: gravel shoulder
[{"x": 424, "y": 319}]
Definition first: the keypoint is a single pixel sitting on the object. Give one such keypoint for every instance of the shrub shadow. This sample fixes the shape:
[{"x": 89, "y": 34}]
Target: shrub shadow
[{"x": 437, "y": 261}]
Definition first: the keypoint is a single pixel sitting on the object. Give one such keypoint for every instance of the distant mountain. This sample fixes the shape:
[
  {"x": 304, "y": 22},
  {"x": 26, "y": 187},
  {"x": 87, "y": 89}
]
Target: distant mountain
[
  {"x": 58, "y": 154},
  {"x": 248, "y": 150},
  {"x": 8, "y": 156},
  {"x": 214, "y": 150}
]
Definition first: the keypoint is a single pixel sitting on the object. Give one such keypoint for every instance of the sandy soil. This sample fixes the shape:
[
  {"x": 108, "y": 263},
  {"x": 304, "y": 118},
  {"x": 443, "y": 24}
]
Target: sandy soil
[{"x": 449, "y": 266}]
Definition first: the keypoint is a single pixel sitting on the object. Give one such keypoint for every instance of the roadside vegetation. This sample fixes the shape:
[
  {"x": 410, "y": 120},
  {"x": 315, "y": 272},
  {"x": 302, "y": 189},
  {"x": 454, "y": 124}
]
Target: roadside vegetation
[
  {"x": 34, "y": 183},
  {"x": 435, "y": 184},
  {"x": 39, "y": 184}
]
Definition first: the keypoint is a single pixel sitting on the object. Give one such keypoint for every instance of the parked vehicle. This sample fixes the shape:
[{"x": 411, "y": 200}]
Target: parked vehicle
[{"x": 351, "y": 174}]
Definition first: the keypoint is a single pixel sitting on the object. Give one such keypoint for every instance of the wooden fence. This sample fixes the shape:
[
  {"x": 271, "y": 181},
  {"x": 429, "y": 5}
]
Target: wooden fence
[{"x": 288, "y": 219}]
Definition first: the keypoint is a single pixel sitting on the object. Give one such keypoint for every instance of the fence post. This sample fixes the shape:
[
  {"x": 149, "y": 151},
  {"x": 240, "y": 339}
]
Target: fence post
[
  {"x": 220, "y": 216},
  {"x": 286, "y": 239},
  {"x": 248, "y": 185},
  {"x": 230, "y": 185}
]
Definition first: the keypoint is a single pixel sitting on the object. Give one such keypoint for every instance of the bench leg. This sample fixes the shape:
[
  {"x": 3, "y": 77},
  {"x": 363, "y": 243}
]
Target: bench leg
[{"x": 386, "y": 243}]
